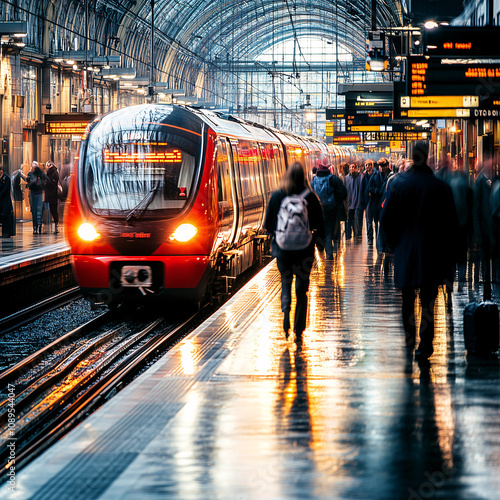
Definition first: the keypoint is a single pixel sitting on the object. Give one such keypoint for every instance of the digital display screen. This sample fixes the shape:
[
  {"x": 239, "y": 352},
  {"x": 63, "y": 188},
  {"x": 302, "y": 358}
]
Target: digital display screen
[
  {"x": 142, "y": 152},
  {"x": 436, "y": 76},
  {"x": 461, "y": 41}
]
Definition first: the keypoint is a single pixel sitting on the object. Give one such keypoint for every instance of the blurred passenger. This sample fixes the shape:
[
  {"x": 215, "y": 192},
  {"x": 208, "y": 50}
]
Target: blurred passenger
[
  {"x": 51, "y": 193},
  {"x": 331, "y": 193},
  {"x": 420, "y": 221},
  {"x": 6, "y": 208},
  {"x": 372, "y": 215},
  {"x": 353, "y": 186},
  {"x": 481, "y": 213},
  {"x": 377, "y": 190},
  {"x": 462, "y": 196},
  {"x": 295, "y": 262},
  {"x": 36, "y": 180}
]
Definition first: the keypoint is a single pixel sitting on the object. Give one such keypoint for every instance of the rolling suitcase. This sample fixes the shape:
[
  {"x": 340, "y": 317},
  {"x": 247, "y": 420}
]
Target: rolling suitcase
[{"x": 481, "y": 328}]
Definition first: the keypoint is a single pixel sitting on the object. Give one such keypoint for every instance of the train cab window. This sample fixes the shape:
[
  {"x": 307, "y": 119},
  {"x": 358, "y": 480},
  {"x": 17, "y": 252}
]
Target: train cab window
[{"x": 138, "y": 177}]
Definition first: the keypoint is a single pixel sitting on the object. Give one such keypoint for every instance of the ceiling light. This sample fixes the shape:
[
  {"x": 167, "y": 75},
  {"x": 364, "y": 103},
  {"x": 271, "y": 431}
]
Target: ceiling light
[{"x": 430, "y": 25}]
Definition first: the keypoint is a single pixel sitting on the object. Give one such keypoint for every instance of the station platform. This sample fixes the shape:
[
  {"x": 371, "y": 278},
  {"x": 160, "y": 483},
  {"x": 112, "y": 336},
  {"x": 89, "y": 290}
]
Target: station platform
[{"x": 236, "y": 411}]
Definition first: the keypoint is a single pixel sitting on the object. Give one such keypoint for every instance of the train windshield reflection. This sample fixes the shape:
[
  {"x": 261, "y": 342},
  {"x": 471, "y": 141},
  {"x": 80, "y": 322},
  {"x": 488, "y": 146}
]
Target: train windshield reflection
[{"x": 137, "y": 178}]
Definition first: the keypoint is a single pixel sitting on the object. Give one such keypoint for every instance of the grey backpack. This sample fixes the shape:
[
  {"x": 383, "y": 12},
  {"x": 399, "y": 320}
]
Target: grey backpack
[{"x": 292, "y": 230}]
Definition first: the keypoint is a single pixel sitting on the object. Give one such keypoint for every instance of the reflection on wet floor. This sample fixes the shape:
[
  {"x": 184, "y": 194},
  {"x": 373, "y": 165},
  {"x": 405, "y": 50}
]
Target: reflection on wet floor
[{"x": 236, "y": 411}]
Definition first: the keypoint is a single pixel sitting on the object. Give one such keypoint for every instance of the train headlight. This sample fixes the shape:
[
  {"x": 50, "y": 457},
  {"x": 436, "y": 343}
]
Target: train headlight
[
  {"x": 184, "y": 233},
  {"x": 87, "y": 232}
]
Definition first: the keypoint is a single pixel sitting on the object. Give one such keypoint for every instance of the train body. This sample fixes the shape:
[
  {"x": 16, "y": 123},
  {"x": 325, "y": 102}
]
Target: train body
[{"x": 166, "y": 200}]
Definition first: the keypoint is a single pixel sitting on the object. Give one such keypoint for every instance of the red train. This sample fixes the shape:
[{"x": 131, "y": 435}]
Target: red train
[{"x": 165, "y": 200}]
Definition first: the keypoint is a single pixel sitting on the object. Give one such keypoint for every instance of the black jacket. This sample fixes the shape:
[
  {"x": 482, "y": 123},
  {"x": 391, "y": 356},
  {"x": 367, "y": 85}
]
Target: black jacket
[{"x": 421, "y": 224}]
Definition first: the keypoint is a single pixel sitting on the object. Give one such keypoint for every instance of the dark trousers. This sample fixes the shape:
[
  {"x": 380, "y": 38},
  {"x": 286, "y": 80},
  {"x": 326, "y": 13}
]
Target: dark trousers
[
  {"x": 330, "y": 221},
  {"x": 428, "y": 296},
  {"x": 54, "y": 212},
  {"x": 299, "y": 265},
  {"x": 354, "y": 220},
  {"x": 7, "y": 220},
  {"x": 372, "y": 218}
]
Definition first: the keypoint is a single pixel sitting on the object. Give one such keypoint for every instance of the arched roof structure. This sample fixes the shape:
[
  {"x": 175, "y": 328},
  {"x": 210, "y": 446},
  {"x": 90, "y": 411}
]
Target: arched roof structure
[{"x": 193, "y": 37}]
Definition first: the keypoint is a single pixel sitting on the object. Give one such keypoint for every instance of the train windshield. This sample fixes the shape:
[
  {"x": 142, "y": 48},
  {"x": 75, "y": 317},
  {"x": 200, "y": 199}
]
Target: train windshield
[{"x": 133, "y": 175}]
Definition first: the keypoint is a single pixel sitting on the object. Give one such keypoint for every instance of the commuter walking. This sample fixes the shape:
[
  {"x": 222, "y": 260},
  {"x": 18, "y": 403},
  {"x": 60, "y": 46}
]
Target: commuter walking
[
  {"x": 295, "y": 189},
  {"x": 6, "y": 208},
  {"x": 36, "y": 180},
  {"x": 420, "y": 222},
  {"x": 377, "y": 191},
  {"x": 331, "y": 193},
  {"x": 51, "y": 193},
  {"x": 367, "y": 204},
  {"x": 353, "y": 186}
]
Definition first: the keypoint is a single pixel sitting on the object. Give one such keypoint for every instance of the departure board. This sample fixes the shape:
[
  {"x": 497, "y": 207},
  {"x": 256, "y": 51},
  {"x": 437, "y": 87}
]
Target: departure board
[{"x": 439, "y": 76}]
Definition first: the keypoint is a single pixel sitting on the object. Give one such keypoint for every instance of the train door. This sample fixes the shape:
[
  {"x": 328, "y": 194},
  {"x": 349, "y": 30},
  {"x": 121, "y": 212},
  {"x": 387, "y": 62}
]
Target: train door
[
  {"x": 226, "y": 196},
  {"x": 260, "y": 171},
  {"x": 232, "y": 152}
]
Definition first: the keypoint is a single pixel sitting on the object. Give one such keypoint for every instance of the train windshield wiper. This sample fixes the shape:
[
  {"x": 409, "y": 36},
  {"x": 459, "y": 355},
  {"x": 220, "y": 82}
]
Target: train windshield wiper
[{"x": 143, "y": 205}]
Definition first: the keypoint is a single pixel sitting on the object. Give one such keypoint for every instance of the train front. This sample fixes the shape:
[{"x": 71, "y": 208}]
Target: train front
[{"x": 141, "y": 219}]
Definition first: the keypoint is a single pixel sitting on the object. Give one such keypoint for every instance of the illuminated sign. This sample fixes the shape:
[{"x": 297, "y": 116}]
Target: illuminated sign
[
  {"x": 461, "y": 41},
  {"x": 436, "y": 113},
  {"x": 368, "y": 101},
  {"x": 393, "y": 127},
  {"x": 347, "y": 139},
  {"x": 67, "y": 124},
  {"x": 449, "y": 101},
  {"x": 329, "y": 129},
  {"x": 157, "y": 156},
  {"x": 395, "y": 136},
  {"x": 452, "y": 77},
  {"x": 335, "y": 114}
]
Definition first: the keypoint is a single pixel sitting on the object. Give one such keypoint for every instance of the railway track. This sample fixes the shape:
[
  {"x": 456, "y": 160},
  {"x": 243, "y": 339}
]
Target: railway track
[
  {"x": 30, "y": 313},
  {"x": 45, "y": 402}
]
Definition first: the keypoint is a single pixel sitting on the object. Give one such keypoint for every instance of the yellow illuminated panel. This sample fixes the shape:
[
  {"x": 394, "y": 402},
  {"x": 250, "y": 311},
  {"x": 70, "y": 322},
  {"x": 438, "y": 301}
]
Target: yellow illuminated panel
[
  {"x": 446, "y": 101},
  {"x": 437, "y": 113},
  {"x": 173, "y": 156},
  {"x": 365, "y": 128}
]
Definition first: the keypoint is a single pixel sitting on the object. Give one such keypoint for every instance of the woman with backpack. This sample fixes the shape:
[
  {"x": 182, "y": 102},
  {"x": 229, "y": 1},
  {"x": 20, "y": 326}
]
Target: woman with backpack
[
  {"x": 36, "y": 180},
  {"x": 295, "y": 220}
]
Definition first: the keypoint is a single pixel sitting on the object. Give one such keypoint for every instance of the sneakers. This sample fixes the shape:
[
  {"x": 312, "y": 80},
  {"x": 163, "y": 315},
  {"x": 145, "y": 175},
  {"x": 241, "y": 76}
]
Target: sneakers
[{"x": 56, "y": 229}]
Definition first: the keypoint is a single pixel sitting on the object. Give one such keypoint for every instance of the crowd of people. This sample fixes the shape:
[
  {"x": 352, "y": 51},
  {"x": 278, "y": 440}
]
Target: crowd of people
[
  {"x": 430, "y": 223},
  {"x": 47, "y": 188}
]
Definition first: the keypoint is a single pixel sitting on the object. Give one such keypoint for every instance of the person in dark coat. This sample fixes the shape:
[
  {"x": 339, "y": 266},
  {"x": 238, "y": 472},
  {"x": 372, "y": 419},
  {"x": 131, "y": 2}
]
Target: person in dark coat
[
  {"x": 6, "y": 208},
  {"x": 295, "y": 262},
  {"x": 36, "y": 180},
  {"x": 369, "y": 205},
  {"x": 330, "y": 217},
  {"x": 420, "y": 222},
  {"x": 51, "y": 195}
]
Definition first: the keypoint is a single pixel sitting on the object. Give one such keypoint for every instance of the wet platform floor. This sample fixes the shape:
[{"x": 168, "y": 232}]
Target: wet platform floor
[{"x": 238, "y": 412}]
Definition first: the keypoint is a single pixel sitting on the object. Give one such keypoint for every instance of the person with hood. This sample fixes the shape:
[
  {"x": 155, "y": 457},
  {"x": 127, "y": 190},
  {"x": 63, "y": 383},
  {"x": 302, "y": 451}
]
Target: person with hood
[
  {"x": 36, "y": 180},
  {"x": 331, "y": 193},
  {"x": 51, "y": 188},
  {"x": 420, "y": 222},
  {"x": 6, "y": 209}
]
